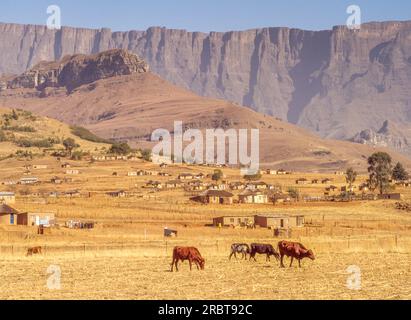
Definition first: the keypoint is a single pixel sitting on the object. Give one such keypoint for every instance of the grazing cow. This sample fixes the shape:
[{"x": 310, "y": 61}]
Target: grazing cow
[
  {"x": 187, "y": 253},
  {"x": 35, "y": 250},
  {"x": 266, "y": 249},
  {"x": 242, "y": 248},
  {"x": 294, "y": 250}
]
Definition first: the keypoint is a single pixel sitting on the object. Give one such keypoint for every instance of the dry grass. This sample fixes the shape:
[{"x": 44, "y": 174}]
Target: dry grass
[{"x": 126, "y": 256}]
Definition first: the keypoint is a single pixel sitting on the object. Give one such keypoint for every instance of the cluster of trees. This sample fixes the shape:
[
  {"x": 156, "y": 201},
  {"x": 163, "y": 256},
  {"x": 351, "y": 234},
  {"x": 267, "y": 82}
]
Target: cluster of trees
[{"x": 381, "y": 172}]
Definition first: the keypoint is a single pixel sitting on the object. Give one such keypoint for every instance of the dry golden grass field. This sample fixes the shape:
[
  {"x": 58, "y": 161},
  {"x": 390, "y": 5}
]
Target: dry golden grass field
[{"x": 127, "y": 257}]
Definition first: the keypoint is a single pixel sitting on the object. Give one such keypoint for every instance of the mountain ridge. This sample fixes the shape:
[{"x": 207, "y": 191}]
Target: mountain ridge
[
  {"x": 336, "y": 82},
  {"x": 129, "y": 107}
]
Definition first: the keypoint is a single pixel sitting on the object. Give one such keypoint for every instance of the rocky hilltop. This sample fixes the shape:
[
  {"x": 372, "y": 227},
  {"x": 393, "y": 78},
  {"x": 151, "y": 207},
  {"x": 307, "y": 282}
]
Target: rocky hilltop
[
  {"x": 74, "y": 71},
  {"x": 334, "y": 82}
]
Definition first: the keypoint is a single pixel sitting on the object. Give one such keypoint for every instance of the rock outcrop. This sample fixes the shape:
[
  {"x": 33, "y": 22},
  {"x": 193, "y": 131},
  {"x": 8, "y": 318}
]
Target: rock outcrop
[
  {"x": 333, "y": 82},
  {"x": 74, "y": 71}
]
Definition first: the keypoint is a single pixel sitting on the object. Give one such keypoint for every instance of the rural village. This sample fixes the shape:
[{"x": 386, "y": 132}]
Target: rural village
[{"x": 54, "y": 205}]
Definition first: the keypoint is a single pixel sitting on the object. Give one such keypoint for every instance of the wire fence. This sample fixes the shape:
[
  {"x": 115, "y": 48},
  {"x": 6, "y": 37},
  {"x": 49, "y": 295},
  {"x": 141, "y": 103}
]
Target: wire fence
[{"x": 161, "y": 248}]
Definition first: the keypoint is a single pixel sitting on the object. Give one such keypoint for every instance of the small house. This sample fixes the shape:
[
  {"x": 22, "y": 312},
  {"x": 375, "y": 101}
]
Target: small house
[
  {"x": 72, "y": 172},
  {"x": 56, "y": 180},
  {"x": 26, "y": 181},
  {"x": 216, "y": 197},
  {"x": 174, "y": 184},
  {"x": 302, "y": 181},
  {"x": 315, "y": 181},
  {"x": 186, "y": 176},
  {"x": 154, "y": 184},
  {"x": 233, "y": 221},
  {"x": 164, "y": 174},
  {"x": 117, "y": 194},
  {"x": 36, "y": 219},
  {"x": 66, "y": 165},
  {"x": 272, "y": 221},
  {"x": 39, "y": 166},
  {"x": 257, "y": 186},
  {"x": 390, "y": 196},
  {"x": 199, "y": 176},
  {"x": 133, "y": 174},
  {"x": 151, "y": 173},
  {"x": 71, "y": 194},
  {"x": 8, "y": 215},
  {"x": 279, "y": 221},
  {"x": 237, "y": 185},
  {"x": 169, "y": 233},
  {"x": 271, "y": 172},
  {"x": 7, "y": 197},
  {"x": 253, "y": 197}
]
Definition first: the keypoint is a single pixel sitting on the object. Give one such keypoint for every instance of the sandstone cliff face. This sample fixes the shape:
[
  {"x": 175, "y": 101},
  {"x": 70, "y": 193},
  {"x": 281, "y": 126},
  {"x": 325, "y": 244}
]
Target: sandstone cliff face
[
  {"x": 74, "y": 71},
  {"x": 335, "y": 82}
]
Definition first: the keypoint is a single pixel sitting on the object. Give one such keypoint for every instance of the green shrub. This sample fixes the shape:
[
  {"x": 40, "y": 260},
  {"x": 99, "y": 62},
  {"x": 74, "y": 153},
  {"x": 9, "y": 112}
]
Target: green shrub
[
  {"x": 19, "y": 129},
  {"x": 28, "y": 143},
  {"x": 86, "y": 134},
  {"x": 121, "y": 149}
]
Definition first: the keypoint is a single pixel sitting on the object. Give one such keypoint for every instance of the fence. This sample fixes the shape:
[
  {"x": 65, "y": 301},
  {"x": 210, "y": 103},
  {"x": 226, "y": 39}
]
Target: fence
[{"x": 220, "y": 247}]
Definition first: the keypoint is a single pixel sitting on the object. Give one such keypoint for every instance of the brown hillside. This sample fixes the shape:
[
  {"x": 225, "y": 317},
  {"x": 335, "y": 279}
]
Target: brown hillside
[{"x": 130, "y": 107}]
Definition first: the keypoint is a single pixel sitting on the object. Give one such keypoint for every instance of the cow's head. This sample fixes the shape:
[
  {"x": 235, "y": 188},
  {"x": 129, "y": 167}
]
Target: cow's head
[
  {"x": 310, "y": 255},
  {"x": 201, "y": 262},
  {"x": 275, "y": 254}
]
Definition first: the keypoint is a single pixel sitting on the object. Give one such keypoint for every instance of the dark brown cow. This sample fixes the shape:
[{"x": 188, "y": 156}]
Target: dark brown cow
[
  {"x": 34, "y": 250},
  {"x": 294, "y": 250},
  {"x": 266, "y": 249},
  {"x": 187, "y": 253}
]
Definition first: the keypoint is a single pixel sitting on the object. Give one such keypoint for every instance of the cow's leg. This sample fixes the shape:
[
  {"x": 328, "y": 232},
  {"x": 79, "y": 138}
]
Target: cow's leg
[
  {"x": 172, "y": 265},
  {"x": 299, "y": 263},
  {"x": 232, "y": 253},
  {"x": 282, "y": 261},
  {"x": 176, "y": 264},
  {"x": 291, "y": 264},
  {"x": 191, "y": 264}
]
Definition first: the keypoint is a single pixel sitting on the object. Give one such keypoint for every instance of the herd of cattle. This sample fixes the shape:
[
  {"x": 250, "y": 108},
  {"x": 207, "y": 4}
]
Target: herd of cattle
[{"x": 294, "y": 250}]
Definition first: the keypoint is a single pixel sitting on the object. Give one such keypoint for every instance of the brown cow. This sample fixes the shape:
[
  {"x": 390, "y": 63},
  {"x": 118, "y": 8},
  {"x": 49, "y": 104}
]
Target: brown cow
[
  {"x": 294, "y": 250},
  {"x": 187, "y": 253},
  {"x": 34, "y": 250}
]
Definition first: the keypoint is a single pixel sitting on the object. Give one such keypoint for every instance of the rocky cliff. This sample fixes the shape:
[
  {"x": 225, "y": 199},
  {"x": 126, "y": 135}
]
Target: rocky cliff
[
  {"x": 335, "y": 82},
  {"x": 74, "y": 71}
]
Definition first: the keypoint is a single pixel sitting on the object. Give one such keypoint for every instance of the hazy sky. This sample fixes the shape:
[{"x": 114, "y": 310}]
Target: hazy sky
[{"x": 205, "y": 15}]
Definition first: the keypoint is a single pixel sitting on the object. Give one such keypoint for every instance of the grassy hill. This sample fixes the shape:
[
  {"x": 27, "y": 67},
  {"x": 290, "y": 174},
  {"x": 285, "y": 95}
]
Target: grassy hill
[{"x": 24, "y": 132}]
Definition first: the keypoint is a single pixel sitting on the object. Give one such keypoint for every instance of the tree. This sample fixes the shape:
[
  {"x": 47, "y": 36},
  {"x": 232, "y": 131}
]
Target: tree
[
  {"x": 350, "y": 177},
  {"x": 120, "y": 149},
  {"x": 70, "y": 144},
  {"x": 399, "y": 173},
  {"x": 380, "y": 171},
  {"x": 217, "y": 175},
  {"x": 14, "y": 115},
  {"x": 146, "y": 155},
  {"x": 294, "y": 193}
]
